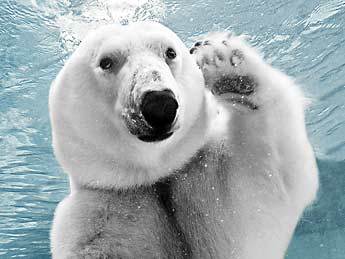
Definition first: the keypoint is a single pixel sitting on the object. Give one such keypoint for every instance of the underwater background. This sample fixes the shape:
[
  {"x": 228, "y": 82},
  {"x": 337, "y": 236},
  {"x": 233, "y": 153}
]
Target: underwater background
[{"x": 306, "y": 39}]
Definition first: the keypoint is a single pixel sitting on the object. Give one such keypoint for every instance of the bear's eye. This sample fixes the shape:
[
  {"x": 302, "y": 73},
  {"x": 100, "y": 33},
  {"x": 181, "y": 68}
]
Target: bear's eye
[
  {"x": 170, "y": 53},
  {"x": 106, "y": 63}
]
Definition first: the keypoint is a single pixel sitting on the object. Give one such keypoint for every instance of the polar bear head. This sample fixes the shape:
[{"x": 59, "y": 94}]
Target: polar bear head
[{"x": 128, "y": 107}]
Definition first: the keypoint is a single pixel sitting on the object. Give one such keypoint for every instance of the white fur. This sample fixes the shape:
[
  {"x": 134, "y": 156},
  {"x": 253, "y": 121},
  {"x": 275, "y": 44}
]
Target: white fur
[
  {"x": 243, "y": 177},
  {"x": 243, "y": 193},
  {"x": 108, "y": 167}
]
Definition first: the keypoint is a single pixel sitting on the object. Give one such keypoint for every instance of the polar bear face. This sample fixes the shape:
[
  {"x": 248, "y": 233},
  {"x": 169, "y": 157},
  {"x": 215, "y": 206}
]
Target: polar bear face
[{"x": 127, "y": 108}]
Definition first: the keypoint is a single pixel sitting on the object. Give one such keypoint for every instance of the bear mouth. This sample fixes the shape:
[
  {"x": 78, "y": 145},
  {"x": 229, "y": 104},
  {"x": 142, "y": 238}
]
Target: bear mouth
[{"x": 155, "y": 137}]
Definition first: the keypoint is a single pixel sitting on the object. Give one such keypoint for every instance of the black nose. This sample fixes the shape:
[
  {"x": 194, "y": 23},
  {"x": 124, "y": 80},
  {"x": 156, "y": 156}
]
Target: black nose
[{"x": 159, "y": 109}]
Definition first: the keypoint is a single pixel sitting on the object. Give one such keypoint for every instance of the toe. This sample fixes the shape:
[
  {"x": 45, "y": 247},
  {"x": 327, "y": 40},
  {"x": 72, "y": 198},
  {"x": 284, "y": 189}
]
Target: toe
[
  {"x": 219, "y": 58},
  {"x": 236, "y": 57}
]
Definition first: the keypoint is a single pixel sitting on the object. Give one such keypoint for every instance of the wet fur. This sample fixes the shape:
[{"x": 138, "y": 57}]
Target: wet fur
[
  {"x": 238, "y": 177},
  {"x": 242, "y": 194},
  {"x": 115, "y": 209},
  {"x": 115, "y": 224}
]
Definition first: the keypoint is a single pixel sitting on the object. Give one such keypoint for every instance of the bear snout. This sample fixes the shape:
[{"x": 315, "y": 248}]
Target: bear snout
[
  {"x": 159, "y": 109},
  {"x": 152, "y": 116}
]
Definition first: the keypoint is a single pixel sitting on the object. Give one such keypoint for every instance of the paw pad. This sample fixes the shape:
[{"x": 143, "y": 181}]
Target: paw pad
[
  {"x": 243, "y": 85},
  {"x": 236, "y": 57},
  {"x": 222, "y": 64}
]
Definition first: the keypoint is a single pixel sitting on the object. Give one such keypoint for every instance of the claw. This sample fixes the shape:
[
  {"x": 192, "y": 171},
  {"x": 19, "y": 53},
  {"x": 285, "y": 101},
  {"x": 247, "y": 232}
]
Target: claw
[{"x": 192, "y": 50}]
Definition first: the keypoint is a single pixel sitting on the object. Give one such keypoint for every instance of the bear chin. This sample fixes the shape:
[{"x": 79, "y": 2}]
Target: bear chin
[{"x": 155, "y": 137}]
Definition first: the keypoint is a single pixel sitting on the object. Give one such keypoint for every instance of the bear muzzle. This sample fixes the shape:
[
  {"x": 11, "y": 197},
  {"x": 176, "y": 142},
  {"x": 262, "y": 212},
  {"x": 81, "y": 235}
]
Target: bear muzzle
[{"x": 153, "y": 117}]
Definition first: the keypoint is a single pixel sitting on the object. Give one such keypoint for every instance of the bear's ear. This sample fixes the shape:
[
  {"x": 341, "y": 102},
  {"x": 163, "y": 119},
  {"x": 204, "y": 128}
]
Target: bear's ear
[{"x": 245, "y": 37}]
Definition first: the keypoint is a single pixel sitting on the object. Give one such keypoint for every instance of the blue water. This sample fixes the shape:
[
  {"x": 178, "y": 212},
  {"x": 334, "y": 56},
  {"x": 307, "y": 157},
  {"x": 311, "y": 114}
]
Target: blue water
[{"x": 306, "y": 39}]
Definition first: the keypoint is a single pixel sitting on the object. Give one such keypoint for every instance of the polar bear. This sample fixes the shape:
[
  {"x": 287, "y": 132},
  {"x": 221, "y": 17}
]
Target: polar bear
[
  {"x": 242, "y": 193},
  {"x": 127, "y": 109},
  {"x": 130, "y": 109}
]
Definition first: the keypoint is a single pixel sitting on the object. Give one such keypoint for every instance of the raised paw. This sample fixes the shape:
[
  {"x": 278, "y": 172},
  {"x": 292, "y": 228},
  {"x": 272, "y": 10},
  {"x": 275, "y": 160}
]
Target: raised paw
[{"x": 223, "y": 59}]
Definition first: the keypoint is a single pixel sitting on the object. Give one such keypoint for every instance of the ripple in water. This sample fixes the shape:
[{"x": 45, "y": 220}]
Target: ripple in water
[
  {"x": 75, "y": 19},
  {"x": 35, "y": 39},
  {"x": 303, "y": 38}
]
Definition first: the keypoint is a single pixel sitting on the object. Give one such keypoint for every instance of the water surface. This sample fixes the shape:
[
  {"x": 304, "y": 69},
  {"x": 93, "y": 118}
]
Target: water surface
[{"x": 303, "y": 38}]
